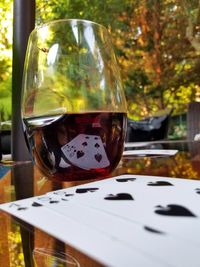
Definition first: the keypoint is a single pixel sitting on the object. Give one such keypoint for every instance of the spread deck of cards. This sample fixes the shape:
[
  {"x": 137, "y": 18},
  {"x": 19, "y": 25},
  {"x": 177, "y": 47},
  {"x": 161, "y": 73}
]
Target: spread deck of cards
[{"x": 128, "y": 220}]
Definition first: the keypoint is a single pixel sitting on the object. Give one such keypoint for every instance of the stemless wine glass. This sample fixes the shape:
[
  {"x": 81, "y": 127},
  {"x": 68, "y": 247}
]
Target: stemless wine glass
[{"x": 73, "y": 104}]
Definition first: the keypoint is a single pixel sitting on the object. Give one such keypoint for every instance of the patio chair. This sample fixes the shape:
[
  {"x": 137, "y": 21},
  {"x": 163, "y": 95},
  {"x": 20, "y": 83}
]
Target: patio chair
[{"x": 150, "y": 129}]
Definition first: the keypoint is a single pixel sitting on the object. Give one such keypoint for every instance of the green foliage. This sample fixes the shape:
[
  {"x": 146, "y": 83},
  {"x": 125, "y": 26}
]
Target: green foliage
[
  {"x": 104, "y": 12},
  {"x": 5, "y": 100},
  {"x": 5, "y": 59},
  {"x": 163, "y": 53},
  {"x": 159, "y": 65},
  {"x": 156, "y": 43}
]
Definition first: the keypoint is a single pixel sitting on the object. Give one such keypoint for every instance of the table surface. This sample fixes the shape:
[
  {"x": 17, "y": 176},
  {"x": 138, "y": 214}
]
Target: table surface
[{"x": 19, "y": 242}]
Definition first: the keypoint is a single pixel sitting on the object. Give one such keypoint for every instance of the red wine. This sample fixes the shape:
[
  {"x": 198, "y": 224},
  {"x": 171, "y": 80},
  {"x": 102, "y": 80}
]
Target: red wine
[{"x": 80, "y": 146}]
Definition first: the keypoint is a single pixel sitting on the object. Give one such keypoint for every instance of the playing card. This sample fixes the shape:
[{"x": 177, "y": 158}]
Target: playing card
[
  {"x": 103, "y": 247},
  {"x": 142, "y": 152},
  {"x": 149, "y": 240},
  {"x": 136, "y": 144},
  {"x": 171, "y": 205},
  {"x": 138, "y": 220},
  {"x": 86, "y": 152}
]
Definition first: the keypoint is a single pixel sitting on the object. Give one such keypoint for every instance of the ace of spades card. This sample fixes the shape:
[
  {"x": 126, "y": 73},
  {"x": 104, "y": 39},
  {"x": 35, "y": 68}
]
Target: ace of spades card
[{"x": 86, "y": 152}]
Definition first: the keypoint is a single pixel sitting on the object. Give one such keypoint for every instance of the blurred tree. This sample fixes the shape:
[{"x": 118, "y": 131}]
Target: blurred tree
[
  {"x": 5, "y": 59},
  {"x": 159, "y": 64},
  {"x": 157, "y": 59},
  {"x": 157, "y": 44}
]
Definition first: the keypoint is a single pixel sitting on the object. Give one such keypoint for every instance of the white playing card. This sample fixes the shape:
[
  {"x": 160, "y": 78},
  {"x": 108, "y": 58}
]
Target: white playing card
[
  {"x": 169, "y": 152},
  {"x": 129, "y": 210},
  {"x": 172, "y": 251},
  {"x": 178, "y": 193},
  {"x": 103, "y": 247},
  {"x": 136, "y": 144},
  {"x": 86, "y": 152},
  {"x": 63, "y": 163}
]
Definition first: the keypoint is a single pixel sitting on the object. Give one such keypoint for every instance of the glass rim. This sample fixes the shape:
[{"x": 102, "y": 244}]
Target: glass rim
[{"x": 52, "y": 22}]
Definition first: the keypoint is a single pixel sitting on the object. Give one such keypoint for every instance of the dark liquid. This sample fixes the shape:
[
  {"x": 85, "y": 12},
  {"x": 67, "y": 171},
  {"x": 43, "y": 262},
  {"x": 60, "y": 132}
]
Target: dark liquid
[{"x": 76, "y": 147}]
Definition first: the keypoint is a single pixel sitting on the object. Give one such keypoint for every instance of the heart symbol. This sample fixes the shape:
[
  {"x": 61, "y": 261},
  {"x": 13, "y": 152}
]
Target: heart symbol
[
  {"x": 85, "y": 190},
  {"x": 123, "y": 180},
  {"x": 119, "y": 196},
  {"x": 80, "y": 154},
  {"x": 159, "y": 183},
  {"x": 98, "y": 157},
  {"x": 174, "y": 210}
]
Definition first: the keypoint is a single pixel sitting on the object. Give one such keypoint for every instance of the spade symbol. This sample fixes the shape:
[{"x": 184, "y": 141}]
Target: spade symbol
[
  {"x": 85, "y": 190},
  {"x": 22, "y": 208},
  {"x": 174, "y": 210},
  {"x": 53, "y": 201},
  {"x": 153, "y": 230},
  {"x": 64, "y": 199},
  {"x": 97, "y": 145},
  {"x": 35, "y": 204},
  {"x": 69, "y": 195},
  {"x": 119, "y": 196},
  {"x": 123, "y": 180},
  {"x": 80, "y": 154},
  {"x": 159, "y": 183},
  {"x": 84, "y": 144},
  {"x": 197, "y": 190}
]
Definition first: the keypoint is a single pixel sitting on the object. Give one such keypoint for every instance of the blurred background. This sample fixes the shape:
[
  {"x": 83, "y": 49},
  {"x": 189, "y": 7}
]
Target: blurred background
[{"x": 157, "y": 44}]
